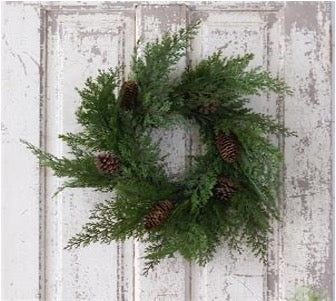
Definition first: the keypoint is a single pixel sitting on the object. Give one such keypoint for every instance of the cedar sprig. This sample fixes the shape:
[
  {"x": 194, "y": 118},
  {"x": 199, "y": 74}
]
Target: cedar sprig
[{"x": 152, "y": 72}]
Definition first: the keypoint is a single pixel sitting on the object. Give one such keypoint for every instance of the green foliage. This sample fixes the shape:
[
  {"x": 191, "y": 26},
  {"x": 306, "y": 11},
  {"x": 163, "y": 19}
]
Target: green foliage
[
  {"x": 80, "y": 171},
  {"x": 152, "y": 73},
  {"x": 199, "y": 222},
  {"x": 98, "y": 110},
  {"x": 308, "y": 294}
]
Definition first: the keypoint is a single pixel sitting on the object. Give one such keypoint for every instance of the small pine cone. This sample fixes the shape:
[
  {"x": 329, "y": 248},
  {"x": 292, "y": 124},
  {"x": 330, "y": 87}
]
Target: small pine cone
[
  {"x": 225, "y": 189},
  {"x": 107, "y": 163},
  {"x": 129, "y": 94},
  {"x": 207, "y": 109},
  {"x": 228, "y": 147},
  {"x": 158, "y": 214}
]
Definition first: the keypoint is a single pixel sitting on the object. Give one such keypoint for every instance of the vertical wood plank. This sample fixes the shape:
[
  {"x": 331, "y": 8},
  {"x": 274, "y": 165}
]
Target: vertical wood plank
[
  {"x": 168, "y": 280},
  {"x": 20, "y": 171},
  {"x": 236, "y": 32},
  {"x": 79, "y": 42},
  {"x": 293, "y": 41},
  {"x": 306, "y": 255}
]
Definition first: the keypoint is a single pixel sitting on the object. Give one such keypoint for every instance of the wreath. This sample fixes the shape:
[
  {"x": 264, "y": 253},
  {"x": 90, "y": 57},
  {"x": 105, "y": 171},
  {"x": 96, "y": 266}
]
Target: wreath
[{"x": 227, "y": 192}]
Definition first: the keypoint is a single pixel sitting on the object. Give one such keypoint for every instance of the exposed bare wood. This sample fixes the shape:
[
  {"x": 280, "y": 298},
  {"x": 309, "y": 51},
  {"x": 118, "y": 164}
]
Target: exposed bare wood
[{"x": 51, "y": 47}]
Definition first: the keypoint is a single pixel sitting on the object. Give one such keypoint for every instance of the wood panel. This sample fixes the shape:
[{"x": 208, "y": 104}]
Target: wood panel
[
  {"x": 49, "y": 48},
  {"x": 20, "y": 113},
  {"x": 168, "y": 281},
  {"x": 306, "y": 256},
  {"x": 237, "y": 277},
  {"x": 78, "y": 42}
]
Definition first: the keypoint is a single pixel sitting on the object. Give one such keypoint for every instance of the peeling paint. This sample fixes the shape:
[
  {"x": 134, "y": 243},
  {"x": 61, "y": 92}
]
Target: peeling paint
[
  {"x": 290, "y": 39},
  {"x": 302, "y": 15}
]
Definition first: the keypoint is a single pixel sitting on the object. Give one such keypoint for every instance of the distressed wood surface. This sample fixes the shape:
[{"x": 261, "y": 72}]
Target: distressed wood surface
[
  {"x": 67, "y": 43},
  {"x": 78, "y": 43},
  {"x": 168, "y": 281},
  {"x": 306, "y": 233},
  {"x": 20, "y": 112},
  {"x": 236, "y": 32}
]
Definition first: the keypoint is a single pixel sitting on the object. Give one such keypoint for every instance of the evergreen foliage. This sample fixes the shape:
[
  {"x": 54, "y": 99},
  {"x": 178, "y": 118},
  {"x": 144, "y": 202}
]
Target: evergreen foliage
[
  {"x": 199, "y": 222},
  {"x": 308, "y": 293}
]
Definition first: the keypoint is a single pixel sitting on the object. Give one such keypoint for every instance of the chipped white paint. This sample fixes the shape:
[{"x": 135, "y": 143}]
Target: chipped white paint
[
  {"x": 236, "y": 32},
  {"x": 77, "y": 44},
  {"x": 51, "y": 47},
  {"x": 20, "y": 173},
  {"x": 308, "y": 189}
]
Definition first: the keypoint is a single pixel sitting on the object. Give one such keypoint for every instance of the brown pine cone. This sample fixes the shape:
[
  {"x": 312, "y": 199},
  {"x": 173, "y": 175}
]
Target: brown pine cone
[
  {"x": 225, "y": 189},
  {"x": 158, "y": 214},
  {"x": 129, "y": 94},
  {"x": 107, "y": 163},
  {"x": 207, "y": 109},
  {"x": 228, "y": 147}
]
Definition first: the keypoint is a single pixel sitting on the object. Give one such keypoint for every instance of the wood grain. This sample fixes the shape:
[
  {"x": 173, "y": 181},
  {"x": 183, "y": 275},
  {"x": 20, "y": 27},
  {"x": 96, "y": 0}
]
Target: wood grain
[
  {"x": 51, "y": 47},
  {"x": 20, "y": 194},
  {"x": 78, "y": 43}
]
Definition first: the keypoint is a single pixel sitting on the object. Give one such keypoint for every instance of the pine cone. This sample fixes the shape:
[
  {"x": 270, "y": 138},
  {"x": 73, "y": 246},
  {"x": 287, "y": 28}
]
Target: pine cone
[
  {"x": 225, "y": 189},
  {"x": 107, "y": 163},
  {"x": 158, "y": 214},
  {"x": 228, "y": 147},
  {"x": 207, "y": 109},
  {"x": 129, "y": 94}
]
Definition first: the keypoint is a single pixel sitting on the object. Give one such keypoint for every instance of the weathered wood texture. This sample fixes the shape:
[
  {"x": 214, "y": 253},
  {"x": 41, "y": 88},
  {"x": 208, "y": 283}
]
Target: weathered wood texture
[
  {"x": 49, "y": 48},
  {"x": 20, "y": 110},
  {"x": 77, "y": 43},
  {"x": 306, "y": 233}
]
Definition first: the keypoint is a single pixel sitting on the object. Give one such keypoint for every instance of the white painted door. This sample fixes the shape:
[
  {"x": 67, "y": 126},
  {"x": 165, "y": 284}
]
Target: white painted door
[{"x": 49, "y": 48}]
